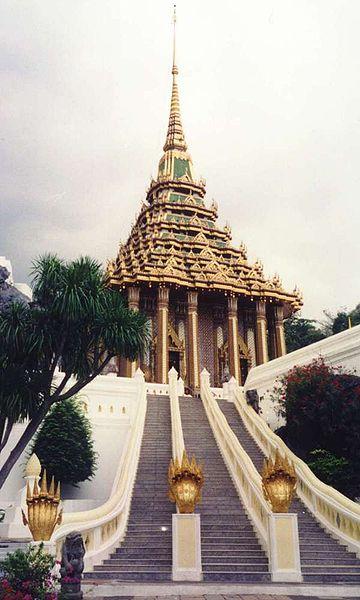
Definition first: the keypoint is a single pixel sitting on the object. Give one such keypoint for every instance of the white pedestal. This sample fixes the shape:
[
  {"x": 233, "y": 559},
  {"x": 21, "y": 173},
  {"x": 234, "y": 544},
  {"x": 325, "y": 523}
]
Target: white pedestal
[
  {"x": 49, "y": 547},
  {"x": 186, "y": 546},
  {"x": 284, "y": 547}
]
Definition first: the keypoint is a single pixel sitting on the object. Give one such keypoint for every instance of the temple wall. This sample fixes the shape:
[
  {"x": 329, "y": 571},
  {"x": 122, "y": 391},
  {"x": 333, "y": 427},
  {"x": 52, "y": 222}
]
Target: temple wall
[
  {"x": 342, "y": 349},
  {"x": 110, "y": 403}
]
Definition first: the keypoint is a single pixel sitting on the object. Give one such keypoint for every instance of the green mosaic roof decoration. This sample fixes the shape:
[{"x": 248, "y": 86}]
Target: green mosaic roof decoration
[{"x": 181, "y": 168}]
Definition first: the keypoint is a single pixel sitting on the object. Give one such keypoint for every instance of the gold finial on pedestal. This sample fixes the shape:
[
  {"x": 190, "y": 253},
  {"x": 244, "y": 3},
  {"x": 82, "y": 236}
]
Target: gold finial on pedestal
[
  {"x": 33, "y": 467},
  {"x": 185, "y": 483},
  {"x": 43, "y": 512},
  {"x": 279, "y": 482}
]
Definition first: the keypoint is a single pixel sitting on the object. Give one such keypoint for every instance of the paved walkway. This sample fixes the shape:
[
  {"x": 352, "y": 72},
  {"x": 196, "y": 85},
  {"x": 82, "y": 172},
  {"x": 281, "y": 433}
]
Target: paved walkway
[{"x": 228, "y": 597}]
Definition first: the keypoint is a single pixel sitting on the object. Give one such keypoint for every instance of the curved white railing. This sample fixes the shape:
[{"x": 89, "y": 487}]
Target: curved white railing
[
  {"x": 244, "y": 475},
  {"x": 104, "y": 527},
  {"x": 177, "y": 438},
  {"x": 337, "y": 513}
]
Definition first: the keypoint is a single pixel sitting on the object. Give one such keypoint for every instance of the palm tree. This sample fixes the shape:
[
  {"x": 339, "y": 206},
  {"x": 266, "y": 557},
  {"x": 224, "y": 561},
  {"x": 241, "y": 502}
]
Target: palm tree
[{"x": 74, "y": 320}]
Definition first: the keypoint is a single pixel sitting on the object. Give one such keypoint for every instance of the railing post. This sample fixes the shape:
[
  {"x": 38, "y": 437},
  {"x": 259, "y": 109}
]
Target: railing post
[
  {"x": 205, "y": 378},
  {"x": 186, "y": 538},
  {"x": 232, "y": 386},
  {"x": 284, "y": 547},
  {"x": 186, "y": 547}
]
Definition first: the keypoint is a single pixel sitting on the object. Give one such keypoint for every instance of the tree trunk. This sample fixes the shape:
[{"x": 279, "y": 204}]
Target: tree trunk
[{"x": 23, "y": 442}]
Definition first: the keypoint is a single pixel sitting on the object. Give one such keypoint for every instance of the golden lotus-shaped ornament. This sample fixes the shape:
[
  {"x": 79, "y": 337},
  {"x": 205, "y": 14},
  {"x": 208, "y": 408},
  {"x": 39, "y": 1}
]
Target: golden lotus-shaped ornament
[
  {"x": 279, "y": 483},
  {"x": 185, "y": 483},
  {"x": 42, "y": 510}
]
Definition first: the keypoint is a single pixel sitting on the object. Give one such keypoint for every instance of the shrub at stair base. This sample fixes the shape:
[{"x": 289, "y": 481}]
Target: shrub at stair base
[
  {"x": 321, "y": 405},
  {"x": 29, "y": 575}
]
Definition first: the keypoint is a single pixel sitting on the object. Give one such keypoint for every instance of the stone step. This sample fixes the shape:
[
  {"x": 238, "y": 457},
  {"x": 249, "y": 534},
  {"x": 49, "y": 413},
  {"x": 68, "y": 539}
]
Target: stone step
[
  {"x": 231, "y": 549},
  {"x": 249, "y": 540},
  {"x": 140, "y": 561},
  {"x": 136, "y": 551},
  {"x": 331, "y": 561},
  {"x": 148, "y": 541},
  {"x": 328, "y": 578},
  {"x": 331, "y": 568},
  {"x": 235, "y": 567},
  {"x": 233, "y": 560},
  {"x": 132, "y": 568},
  {"x": 118, "y": 577},
  {"x": 237, "y": 577}
]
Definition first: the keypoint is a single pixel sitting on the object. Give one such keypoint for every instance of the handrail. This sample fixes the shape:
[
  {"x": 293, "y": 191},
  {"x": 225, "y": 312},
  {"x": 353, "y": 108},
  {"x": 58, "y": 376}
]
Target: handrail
[
  {"x": 336, "y": 512},
  {"x": 177, "y": 437},
  {"x": 103, "y": 527},
  {"x": 245, "y": 477}
]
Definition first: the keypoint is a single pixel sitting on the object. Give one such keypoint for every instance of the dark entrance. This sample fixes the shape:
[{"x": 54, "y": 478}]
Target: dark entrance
[{"x": 174, "y": 360}]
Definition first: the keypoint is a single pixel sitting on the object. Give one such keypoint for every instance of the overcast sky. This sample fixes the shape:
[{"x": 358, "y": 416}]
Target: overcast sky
[{"x": 270, "y": 97}]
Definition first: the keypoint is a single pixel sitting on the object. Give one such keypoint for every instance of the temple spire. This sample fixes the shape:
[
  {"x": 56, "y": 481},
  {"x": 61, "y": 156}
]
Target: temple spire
[{"x": 175, "y": 139}]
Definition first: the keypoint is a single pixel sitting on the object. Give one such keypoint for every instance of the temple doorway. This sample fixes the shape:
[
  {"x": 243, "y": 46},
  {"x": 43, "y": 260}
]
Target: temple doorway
[
  {"x": 174, "y": 360},
  {"x": 223, "y": 362}
]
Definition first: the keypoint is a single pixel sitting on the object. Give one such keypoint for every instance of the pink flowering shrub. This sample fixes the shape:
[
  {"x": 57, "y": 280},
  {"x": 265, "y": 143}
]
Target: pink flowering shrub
[{"x": 28, "y": 575}]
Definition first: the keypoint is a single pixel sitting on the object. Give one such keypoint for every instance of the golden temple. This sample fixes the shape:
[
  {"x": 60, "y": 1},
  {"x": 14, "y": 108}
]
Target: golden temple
[{"x": 207, "y": 306}]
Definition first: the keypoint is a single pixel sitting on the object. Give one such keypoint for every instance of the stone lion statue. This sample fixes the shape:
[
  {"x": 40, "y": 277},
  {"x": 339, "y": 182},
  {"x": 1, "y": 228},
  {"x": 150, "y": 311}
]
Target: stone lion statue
[{"x": 72, "y": 566}]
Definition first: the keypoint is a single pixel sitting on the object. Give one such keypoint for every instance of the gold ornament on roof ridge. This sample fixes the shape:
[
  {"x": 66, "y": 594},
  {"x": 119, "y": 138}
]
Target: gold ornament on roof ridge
[
  {"x": 42, "y": 508},
  {"x": 185, "y": 483},
  {"x": 279, "y": 482}
]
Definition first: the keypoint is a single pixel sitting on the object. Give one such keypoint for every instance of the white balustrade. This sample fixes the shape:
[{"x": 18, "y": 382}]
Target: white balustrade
[
  {"x": 104, "y": 527},
  {"x": 268, "y": 527},
  {"x": 177, "y": 438},
  {"x": 337, "y": 513}
]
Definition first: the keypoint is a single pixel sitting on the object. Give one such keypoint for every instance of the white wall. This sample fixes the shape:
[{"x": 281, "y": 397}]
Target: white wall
[
  {"x": 342, "y": 349},
  {"x": 110, "y": 403}
]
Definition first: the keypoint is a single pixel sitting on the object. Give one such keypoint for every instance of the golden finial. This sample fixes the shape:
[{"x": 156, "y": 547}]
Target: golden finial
[
  {"x": 174, "y": 67},
  {"x": 175, "y": 138},
  {"x": 33, "y": 467}
]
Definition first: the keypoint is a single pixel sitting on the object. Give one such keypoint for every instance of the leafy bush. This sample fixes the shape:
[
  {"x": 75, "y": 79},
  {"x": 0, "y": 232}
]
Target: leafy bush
[
  {"x": 321, "y": 405},
  {"x": 28, "y": 575},
  {"x": 64, "y": 444},
  {"x": 333, "y": 470}
]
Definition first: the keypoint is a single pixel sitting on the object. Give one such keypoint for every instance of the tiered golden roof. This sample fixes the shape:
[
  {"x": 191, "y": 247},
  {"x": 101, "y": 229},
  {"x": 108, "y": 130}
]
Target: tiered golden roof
[{"x": 176, "y": 240}]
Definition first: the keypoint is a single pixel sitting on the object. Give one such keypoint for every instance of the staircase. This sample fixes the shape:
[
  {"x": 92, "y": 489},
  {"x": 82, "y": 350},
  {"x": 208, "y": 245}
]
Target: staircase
[
  {"x": 230, "y": 550},
  {"x": 146, "y": 554},
  {"x": 323, "y": 559}
]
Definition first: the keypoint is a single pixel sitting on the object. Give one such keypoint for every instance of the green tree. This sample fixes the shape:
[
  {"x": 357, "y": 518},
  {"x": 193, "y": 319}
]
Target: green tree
[
  {"x": 341, "y": 320},
  {"x": 301, "y": 332},
  {"x": 76, "y": 321},
  {"x": 64, "y": 444}
]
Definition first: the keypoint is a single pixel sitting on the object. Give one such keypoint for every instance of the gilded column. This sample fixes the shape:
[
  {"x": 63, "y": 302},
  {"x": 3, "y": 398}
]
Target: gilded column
[
  {"x": 280, "y": 345},
  {"x": 134, "y": 304},
  {"x": 234, "y": 362},
  {"x": 162, "y": 349},
  {"x": 193, "y": 341},
  {"x": 271, "y": 333},
  {"x": 262, "y": 355}
]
